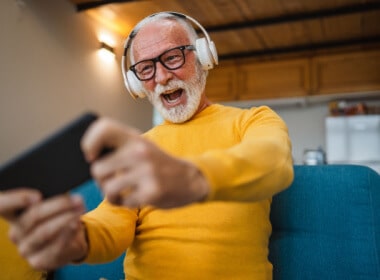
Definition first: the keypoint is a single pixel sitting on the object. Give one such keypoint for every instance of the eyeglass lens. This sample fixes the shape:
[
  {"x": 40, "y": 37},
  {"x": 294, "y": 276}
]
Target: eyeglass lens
[{"x": 171, "y": 59}]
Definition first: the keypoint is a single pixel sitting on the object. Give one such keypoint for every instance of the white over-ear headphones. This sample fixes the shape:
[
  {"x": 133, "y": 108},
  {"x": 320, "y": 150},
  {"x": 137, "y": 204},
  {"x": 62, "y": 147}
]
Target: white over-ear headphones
[{"x": 204, "y": 47}]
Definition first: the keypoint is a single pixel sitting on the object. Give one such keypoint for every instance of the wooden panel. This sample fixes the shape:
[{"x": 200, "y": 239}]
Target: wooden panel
[
  {"x": 221, "y": 82},
  {"x": 121, "y": 17},
  {"x": 352, "y": 72},
  {"x": 370, "y": 23},
  {"x": 342, "y": 27},
  {"x": 273, "y": 79}
]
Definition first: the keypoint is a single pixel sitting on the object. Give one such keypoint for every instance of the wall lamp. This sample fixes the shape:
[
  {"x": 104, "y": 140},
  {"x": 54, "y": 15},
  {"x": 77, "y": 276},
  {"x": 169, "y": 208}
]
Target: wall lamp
[{"x": 106, "y": 51}]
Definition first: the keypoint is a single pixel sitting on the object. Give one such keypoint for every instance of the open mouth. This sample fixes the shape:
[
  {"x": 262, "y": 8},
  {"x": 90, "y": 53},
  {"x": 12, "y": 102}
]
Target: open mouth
[{"x": 172, "y": 97}]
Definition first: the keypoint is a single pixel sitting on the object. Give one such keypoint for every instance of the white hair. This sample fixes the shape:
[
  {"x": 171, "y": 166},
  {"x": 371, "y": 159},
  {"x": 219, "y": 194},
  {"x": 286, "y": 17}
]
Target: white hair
[{"x": 193, "y": 36}]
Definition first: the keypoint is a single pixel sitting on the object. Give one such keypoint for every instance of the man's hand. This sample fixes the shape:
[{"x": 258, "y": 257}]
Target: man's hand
[
  {"x": 47, "y": 233},
  {"x": 137, "y": 172},
  {"x": 13, "y": 202}
]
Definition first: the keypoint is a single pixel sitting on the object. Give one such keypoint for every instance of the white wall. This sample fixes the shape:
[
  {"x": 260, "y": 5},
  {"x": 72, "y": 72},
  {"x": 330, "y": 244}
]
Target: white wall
[
  {"x": 306, "y": 127},
  {"x": 50, "y": 72}
]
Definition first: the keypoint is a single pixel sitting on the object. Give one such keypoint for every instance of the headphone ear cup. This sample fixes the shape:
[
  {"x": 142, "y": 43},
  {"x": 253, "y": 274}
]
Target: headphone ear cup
[
  {"x": 134, "y": 85},
  {"x": 214, "y": 53},
  {"x": 204, "y": 54}
]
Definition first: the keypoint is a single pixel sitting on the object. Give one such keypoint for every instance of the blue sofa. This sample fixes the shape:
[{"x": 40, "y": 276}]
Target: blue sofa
[{"x": 325, "y": 226}]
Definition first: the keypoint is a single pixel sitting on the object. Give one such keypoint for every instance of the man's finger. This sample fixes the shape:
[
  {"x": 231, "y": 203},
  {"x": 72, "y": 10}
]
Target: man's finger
[
  {"x": 102, "y": 134},
  {"x": 42, "y": 212},
  {"x": 14, "y": 201},
  {"x": 50, "y": 256},
  {"x": 45, "y": 234}
]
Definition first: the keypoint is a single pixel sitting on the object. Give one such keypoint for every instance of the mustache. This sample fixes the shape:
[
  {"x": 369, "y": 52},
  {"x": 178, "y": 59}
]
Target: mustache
[{"x": 171, "y": 86}]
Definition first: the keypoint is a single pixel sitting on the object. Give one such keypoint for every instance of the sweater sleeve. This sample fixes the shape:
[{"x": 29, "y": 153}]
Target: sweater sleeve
[
  {"x": 110, "y": 231},
  {"x": 256, "y": 168}
]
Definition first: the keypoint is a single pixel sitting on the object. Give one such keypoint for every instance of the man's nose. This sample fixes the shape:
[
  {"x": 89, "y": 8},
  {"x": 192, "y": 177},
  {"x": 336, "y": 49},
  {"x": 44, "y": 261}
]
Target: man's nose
[{"x": 163, "y": 75}]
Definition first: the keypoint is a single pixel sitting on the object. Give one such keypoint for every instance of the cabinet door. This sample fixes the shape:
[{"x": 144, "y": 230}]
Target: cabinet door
[
  {"x": 221, "y": 82},
  {"x": 344, "y": 73},
  {"x": 279, "y": 79}
]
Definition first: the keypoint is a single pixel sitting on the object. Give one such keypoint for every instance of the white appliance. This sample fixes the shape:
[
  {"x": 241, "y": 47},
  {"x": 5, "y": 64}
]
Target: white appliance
[{"x": 353, "y": 140}]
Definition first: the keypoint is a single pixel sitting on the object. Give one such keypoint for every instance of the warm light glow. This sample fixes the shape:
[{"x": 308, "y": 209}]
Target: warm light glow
[
  {"x": 107, "y": 42},
  {"x": 106, "y": 54},
  {"x": 106, "y": 38}
]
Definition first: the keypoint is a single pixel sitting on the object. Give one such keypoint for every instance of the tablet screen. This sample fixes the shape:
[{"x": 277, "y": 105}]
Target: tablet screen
[{"x": 55, "y": 165}]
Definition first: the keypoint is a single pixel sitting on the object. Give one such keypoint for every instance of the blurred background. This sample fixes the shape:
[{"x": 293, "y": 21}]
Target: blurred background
[{"x": 317, "y": 63}]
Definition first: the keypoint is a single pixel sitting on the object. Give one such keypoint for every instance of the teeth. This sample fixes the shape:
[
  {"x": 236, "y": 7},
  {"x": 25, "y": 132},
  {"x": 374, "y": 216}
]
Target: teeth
[
  {"x": 169, "y": 92},
  {"x": 171, "y": 101},
  {"x": 172, "y": 96}
]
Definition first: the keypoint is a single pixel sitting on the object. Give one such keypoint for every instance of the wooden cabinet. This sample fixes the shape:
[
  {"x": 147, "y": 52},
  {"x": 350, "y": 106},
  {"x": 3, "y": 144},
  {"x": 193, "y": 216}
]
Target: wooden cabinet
[
  {"x": 343, "y": 73},
  {"x": 273, "y": 79},
  {"x": 354, "y": 72},
  {"x": 221, "y": 82}
]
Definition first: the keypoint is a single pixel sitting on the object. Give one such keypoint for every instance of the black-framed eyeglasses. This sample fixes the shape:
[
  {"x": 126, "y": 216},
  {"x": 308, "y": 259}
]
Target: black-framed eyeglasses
[{"x": 171, "y": 59}]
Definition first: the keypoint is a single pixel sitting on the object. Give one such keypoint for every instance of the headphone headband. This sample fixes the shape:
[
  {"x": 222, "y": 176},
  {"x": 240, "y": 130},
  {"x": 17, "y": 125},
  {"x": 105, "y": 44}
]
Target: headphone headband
[
  {"x": 133, "y": 33},
  {"x": 205, "y": 49}
]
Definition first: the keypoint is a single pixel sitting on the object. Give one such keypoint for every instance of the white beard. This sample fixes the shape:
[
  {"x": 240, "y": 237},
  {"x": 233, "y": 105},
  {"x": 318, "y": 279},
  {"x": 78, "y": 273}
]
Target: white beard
[{"x": 193, "y": 90}]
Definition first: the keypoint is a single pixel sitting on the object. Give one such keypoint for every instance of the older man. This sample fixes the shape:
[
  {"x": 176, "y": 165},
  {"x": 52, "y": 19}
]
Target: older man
[{"x": 189, "y": 199}]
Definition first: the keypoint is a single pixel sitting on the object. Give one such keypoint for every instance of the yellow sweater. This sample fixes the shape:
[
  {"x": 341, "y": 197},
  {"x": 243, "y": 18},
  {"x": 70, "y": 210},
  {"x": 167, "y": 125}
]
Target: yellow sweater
[
  {"x": 12, "y": 265},
  {"x": 246, "y": 157}
]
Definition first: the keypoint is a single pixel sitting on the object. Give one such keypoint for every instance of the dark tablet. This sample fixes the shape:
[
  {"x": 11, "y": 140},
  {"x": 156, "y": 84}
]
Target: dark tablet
[{"x": 55, "y": 165}]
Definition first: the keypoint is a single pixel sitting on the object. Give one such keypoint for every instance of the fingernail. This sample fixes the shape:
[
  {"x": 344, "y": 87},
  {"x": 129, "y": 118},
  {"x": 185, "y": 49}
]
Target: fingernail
[
  {"x": 76, "y": 200},
  {"x": 89, "y": 157},
  {"x": 78, "y": 204},
  {"x": 34, "y": 198}
]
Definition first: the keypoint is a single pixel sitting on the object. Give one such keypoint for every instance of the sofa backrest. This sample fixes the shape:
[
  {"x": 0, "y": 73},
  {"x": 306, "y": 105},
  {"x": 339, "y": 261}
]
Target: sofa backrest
[{"x": 327, "y": 224}]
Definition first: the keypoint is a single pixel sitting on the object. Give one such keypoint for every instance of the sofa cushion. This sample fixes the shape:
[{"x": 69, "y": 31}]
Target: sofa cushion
[{"x": 327, "y": 224}]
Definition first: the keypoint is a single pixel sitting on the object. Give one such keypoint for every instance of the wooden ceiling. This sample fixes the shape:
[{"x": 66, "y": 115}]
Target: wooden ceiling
[{"x": 258, "y": 28}]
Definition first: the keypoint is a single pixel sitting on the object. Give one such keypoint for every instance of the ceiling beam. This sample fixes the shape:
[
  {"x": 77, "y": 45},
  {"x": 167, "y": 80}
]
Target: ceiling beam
[
  {"x": 324, "y": 13},
  {"x": 303, "y": 48},
  {"x": 97, "y": 3}
]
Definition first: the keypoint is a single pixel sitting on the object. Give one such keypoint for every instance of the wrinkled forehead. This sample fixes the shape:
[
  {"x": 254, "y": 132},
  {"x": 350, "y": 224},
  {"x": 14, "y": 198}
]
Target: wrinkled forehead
[{"x": 157, "y": 36}]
